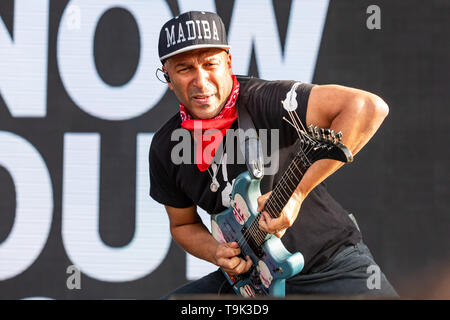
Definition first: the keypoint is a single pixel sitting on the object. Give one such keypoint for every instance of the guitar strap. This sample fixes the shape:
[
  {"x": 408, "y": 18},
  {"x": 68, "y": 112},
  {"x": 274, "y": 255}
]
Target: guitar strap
[{"x": 249, "y": 144}]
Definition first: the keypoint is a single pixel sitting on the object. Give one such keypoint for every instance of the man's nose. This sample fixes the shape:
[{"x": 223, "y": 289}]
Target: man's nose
[{"x": 201, "y": 79}]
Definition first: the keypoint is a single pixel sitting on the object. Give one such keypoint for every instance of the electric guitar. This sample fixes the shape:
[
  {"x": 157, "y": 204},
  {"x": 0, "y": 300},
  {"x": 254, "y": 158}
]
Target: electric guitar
[{"x": 272, "y": 263}]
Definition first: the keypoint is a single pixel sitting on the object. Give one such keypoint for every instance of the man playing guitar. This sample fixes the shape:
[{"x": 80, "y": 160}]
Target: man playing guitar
[{"x": 197, "y": 65}]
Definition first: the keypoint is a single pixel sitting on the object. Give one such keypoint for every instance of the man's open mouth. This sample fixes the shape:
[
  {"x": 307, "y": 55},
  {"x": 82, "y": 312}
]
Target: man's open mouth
[{"x": 203, "y": 98}]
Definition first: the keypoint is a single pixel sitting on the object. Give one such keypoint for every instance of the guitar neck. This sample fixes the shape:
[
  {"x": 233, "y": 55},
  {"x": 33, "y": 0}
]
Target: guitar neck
[
  {"x": 282, "y": 193},
  {"x": 286, "y": 186}
]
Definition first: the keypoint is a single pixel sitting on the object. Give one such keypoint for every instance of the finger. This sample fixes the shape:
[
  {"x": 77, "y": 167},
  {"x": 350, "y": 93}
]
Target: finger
[
  {"x": 275, "y": 225},
  {"x": 233, "y": 244},
  {"x": 248, "y": 263},
  {"x": 225, "y": 251},
  {"x": 242, "y": 267},
  {"x": 280, "y": 233},
  {"x": 268, "y": 224},
  {"x": 261, "y": 200},
  {"x": 230, "y": 250},
  {"x": 230, "y": 265},
  {"x": 263, "y": 222},
  {"x": 261, "y": 203}
]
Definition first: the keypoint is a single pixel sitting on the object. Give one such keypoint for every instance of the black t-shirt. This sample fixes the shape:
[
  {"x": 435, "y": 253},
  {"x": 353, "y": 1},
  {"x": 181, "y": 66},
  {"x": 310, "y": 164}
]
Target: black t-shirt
[{"x": 322, "y": 227}]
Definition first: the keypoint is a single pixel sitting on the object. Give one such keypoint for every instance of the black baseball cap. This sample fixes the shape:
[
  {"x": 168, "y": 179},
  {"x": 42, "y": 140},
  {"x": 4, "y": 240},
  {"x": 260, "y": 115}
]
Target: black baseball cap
[{"x": 191, "y": 30}]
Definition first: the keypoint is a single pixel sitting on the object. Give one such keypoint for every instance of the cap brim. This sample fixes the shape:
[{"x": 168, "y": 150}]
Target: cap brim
[{"x": 197, "y": 46}]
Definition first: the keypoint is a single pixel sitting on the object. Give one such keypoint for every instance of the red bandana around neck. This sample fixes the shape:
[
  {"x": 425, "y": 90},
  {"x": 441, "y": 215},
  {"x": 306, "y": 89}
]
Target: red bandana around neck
[{"x": 207, "y": 141}]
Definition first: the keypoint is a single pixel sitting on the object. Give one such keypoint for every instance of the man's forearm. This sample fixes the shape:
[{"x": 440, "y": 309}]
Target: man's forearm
[{"x": 196, "y": 239}]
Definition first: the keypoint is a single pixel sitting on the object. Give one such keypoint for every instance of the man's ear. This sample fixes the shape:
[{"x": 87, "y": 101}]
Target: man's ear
[
  {"x": 229, "y": 61},
  {"x": 166, "y": 76}
]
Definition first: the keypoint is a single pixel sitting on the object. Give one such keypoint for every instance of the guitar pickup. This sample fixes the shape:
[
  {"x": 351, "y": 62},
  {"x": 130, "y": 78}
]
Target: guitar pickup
[{"x": 251, "y": 242}]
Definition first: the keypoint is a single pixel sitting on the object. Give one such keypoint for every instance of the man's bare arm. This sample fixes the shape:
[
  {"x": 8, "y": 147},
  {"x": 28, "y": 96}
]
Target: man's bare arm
[
  {"x": 357, "y": 114},
  {"x": 189, "y": 232}
]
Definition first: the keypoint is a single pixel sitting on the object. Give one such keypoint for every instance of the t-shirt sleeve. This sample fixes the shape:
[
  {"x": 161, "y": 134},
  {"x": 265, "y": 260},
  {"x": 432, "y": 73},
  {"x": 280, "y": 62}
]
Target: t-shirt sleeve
[
  {"x": 264, "y": 101},
  {"x": 163, "y": 188}
]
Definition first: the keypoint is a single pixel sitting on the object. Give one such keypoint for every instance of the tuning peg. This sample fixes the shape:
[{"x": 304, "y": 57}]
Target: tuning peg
[
  {"x": 316, "y": 132},
  {"x": 322, "y": 133},
  {"x": 332, "y": 136},
  {"x": 339, "y": 136},
  {"x": 328, "y": 134},
  {"x": 311, "y": 129}
]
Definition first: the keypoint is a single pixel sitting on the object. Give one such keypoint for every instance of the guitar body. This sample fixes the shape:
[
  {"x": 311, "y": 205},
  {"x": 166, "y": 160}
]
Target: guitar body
[{"x": 272, "y": 263}]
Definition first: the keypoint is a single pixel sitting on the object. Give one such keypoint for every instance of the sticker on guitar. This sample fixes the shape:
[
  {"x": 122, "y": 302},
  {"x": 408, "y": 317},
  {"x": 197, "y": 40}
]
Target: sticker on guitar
[
  {"x": 264, "y": 274},
  {"x": 216, "y": 232},
  {"x": 247, "y": 291},
  {"x": 240, "y": 209}
]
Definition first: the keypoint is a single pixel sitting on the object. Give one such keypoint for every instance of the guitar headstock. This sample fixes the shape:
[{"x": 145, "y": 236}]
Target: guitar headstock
[{"x": 319, "y": 143}]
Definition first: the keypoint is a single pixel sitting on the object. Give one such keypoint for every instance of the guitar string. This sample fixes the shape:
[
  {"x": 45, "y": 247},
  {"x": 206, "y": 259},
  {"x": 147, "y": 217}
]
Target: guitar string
[
  {"x": 272, "y": 205},
  {"x": 254, "y": 229},
  {"x": 277, "y": 189},
  {"x": 275, "y": 204},
  {"x": 295, "y": 123}
]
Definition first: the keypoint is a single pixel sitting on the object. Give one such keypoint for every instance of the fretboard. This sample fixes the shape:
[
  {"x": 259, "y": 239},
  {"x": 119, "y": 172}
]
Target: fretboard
[{"x": 281, "y": 194}]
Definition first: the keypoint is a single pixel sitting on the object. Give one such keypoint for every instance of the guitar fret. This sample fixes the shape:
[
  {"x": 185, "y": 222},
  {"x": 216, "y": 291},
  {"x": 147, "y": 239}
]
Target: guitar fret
[
  {"x": 286, "y": 192},
  {"x": 283, "y": 189},
  {"x": 294, "y": 185},
  {"x": 277, "y": 200},
  {"x": 256, "y": 232}
]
